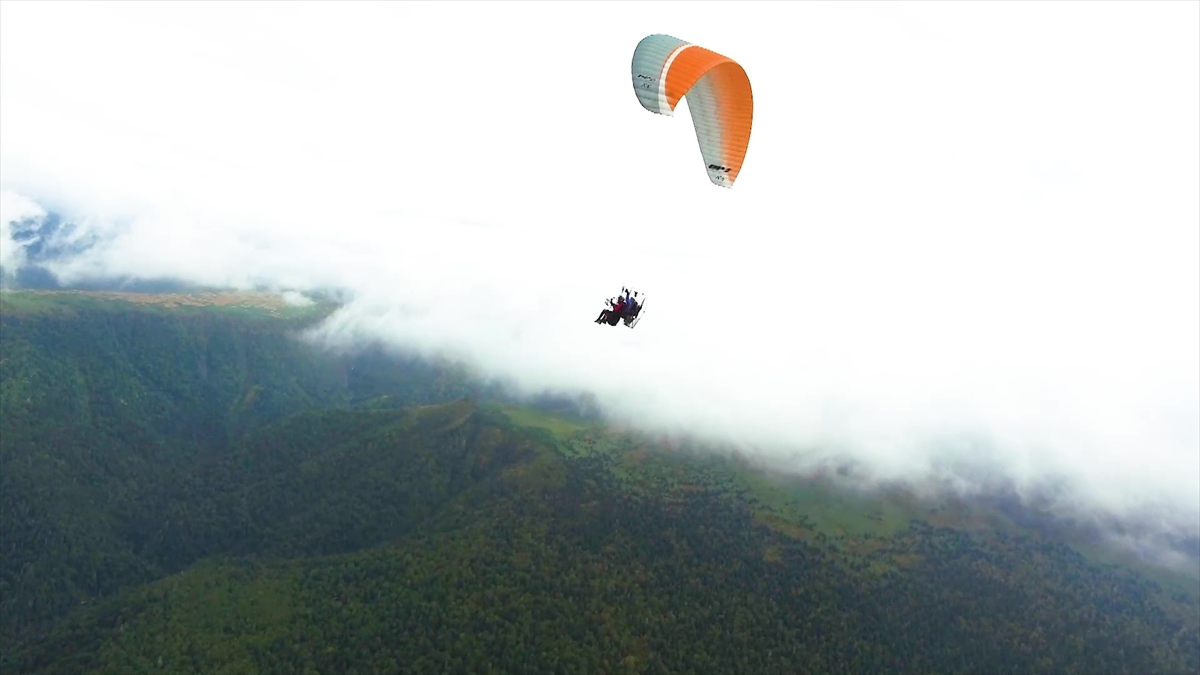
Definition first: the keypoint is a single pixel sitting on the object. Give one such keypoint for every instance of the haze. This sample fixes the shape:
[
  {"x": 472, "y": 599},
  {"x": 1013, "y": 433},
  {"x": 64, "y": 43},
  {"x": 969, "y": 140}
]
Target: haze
[{"x": 966, "y": 237}]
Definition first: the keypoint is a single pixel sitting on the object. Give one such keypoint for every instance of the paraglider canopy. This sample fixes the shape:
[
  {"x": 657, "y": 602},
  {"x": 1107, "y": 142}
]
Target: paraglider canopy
[{"x": 667, "y": 69}]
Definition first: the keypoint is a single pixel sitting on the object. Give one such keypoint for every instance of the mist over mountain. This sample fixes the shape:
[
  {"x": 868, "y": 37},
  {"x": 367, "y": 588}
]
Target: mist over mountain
[
  {"x": 37, "y": 244},
  {"x": 31, "y": 239},
  {"x": 44, "y": 244}
]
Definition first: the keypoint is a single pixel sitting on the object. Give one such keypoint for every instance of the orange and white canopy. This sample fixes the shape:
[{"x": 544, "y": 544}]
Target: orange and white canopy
[{"x": 666, "y": 69}]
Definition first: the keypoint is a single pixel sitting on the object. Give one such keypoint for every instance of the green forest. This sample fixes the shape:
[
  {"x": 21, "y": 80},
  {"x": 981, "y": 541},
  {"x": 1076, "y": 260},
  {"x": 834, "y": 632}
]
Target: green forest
[{"x": 190, "y": 487}]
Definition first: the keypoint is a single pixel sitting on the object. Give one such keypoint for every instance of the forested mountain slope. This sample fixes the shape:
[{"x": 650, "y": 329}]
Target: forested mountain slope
[
  {"x": 114, "y": 409},
  {"x": 191, "y": 489}
]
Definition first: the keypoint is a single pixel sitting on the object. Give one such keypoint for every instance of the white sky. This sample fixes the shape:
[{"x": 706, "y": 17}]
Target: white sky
[{"x": 955, "y": 220}]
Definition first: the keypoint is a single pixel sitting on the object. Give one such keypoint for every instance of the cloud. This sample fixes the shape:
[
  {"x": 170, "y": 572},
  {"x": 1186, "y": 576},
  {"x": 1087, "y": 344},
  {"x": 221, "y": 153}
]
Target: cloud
[
  {"x": 297, "y": 299},
  {"x": 14, "y": 209},
  {"x": 965, "y": 239}
]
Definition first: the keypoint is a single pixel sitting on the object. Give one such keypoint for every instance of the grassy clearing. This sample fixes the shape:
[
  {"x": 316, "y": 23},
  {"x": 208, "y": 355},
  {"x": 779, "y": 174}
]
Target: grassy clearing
[
  {"x": 1172, "y": 581},
  {"x": 34, "y": 302},
  {"x": 67, "y": 302},
  {"x": 562, "y": 428},
  {"x": 791, "y": 504}
]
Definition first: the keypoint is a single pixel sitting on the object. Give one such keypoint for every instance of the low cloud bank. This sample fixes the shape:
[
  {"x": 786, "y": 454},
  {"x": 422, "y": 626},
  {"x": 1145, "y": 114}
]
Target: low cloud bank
[{"x": 1106, "y": 441}]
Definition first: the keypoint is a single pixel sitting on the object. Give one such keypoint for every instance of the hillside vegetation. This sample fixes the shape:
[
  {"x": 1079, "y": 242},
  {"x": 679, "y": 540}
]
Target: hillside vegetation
[{"x": 191, "y": 488}]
